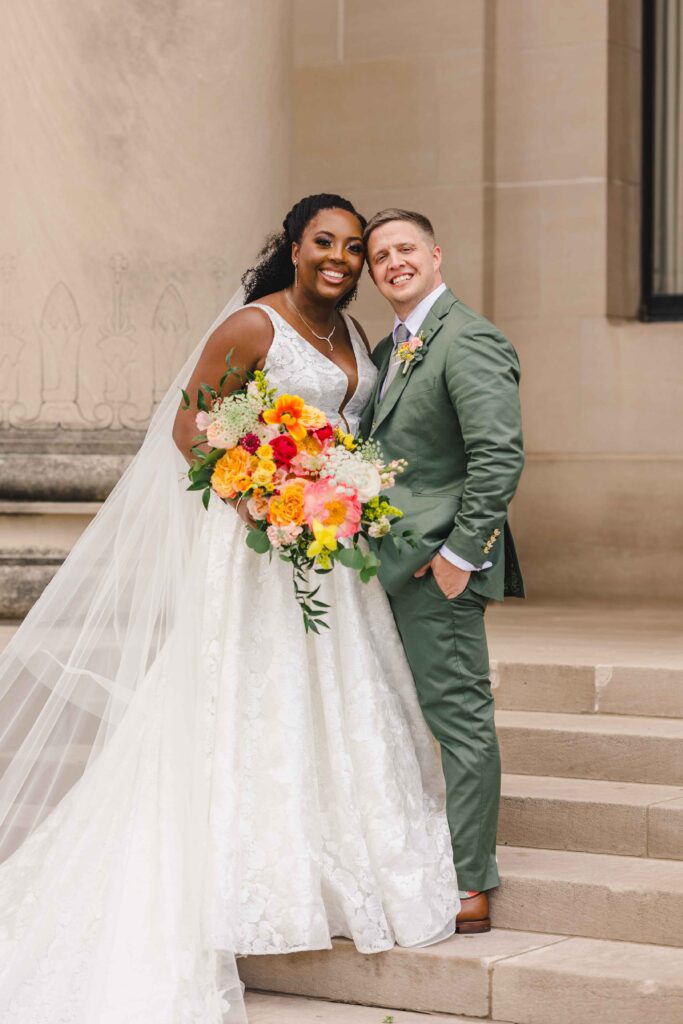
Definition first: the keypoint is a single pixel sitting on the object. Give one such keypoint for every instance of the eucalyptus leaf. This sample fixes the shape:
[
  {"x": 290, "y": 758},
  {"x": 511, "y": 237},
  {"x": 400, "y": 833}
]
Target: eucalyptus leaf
[
  {"x": 352, "y": 558},
  {"x": 258, "y": 541}
]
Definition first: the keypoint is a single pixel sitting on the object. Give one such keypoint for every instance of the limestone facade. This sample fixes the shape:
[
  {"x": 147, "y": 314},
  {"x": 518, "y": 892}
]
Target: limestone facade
[
  {"x": 149, "y": 145},
  {"x": 153, "y": 146},
  {"x": 515, "y": 125}
]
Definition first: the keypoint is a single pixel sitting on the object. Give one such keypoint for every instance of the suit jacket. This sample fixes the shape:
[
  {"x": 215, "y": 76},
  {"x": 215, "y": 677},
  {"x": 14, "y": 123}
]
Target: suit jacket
[{"x": 455, "y": 416}]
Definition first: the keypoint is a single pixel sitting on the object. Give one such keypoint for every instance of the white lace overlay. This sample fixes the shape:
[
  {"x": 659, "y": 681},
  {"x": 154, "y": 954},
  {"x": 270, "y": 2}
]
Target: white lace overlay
[
  {"x": 294, "y": 365},
  {"x": 309, "y": 759}
]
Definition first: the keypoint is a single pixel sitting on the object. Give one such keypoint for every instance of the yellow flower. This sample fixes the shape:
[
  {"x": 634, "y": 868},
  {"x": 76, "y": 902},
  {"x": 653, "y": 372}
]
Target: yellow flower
[
  {"x": 261, "y": 477},
  {"x": 325, "y": 541},
  {"x": 313, "y": 418},
  {"x": 267, "y": 465},
  {"x": 310, "y": 444},
  {"x": 345, "y": 439},
  {"x": 264, "y": 452}
]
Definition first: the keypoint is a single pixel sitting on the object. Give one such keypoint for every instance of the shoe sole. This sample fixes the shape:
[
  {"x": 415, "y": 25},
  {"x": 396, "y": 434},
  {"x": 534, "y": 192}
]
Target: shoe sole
[{"x": 473, "y": 927}]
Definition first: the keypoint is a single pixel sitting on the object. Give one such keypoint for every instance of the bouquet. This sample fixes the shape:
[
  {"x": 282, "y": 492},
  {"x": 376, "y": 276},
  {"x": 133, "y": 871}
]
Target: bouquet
[{"x": 312, "y": 490}]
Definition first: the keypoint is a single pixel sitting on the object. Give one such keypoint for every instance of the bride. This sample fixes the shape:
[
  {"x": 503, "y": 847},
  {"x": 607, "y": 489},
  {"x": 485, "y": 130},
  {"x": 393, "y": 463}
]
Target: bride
[{"x": 187, "y": 775}]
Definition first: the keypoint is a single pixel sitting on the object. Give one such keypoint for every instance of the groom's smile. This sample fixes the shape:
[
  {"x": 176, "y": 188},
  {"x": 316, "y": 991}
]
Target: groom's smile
[{"x": 404, "y": 264}]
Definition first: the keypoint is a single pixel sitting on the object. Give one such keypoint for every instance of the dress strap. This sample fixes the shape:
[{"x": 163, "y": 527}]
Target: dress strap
[{"x": 271, "y": 313}]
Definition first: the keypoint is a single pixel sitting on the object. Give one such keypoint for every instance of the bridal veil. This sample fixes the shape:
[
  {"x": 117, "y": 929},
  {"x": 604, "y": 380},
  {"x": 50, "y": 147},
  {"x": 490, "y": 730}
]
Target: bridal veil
[{"x": 104, "y": 877}]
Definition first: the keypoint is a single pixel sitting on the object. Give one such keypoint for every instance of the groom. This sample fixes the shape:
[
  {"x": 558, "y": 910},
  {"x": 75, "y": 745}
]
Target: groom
[{"x": 447, "y": 400}]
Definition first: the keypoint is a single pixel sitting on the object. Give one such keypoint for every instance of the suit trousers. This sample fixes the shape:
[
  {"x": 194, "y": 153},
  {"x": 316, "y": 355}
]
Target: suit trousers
[{"x": 445, "y": 642}]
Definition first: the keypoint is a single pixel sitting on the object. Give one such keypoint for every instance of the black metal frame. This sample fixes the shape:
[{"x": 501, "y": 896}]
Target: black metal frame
[{"x": 652, "y": 306}]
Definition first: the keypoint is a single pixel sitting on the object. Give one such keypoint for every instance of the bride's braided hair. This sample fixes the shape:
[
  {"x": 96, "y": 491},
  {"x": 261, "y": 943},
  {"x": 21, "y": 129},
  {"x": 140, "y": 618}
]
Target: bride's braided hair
[{"x": 274, "y": 269}]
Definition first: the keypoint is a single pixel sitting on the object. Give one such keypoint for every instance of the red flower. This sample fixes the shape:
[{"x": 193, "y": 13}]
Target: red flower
[
  {"x": 284, "y": 449},
  {"x": 325, "y": 433},
  {"x": 250, "y": 442}
]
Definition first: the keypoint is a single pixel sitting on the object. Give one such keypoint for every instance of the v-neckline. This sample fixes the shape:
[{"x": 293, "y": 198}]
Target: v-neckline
[{"x": 351, "y": 329}]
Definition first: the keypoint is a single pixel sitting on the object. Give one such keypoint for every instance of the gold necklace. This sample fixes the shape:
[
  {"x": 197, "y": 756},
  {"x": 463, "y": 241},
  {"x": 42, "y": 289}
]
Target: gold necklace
[{"x": 320, "y": 337}]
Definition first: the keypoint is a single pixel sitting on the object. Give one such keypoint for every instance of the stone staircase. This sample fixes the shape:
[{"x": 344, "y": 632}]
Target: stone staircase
[{"x": 588, "y": 922}]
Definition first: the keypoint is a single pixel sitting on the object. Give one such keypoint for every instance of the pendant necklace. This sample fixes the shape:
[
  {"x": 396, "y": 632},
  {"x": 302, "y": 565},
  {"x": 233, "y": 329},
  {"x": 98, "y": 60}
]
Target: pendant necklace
[{"x": 320, "y": 337}]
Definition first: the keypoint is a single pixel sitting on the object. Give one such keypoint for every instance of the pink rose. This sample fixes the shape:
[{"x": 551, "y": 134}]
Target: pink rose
[
  {"x": 202, "y": 420},
  {"x": 280, "y": 536},
  {"x": 214, "y": 435}
]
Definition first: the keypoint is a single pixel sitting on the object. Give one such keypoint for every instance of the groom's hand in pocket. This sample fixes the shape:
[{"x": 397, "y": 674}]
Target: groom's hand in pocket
[{"x": 450, "y": 579}]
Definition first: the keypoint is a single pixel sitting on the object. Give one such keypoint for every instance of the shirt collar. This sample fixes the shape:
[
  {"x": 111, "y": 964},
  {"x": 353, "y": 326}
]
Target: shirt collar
[{"x": 416, "y": 317}]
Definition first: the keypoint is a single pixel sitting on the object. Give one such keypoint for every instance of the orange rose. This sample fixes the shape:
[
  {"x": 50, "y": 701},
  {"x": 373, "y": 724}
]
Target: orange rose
[
  {"x": 287, "y": 508},
  {"x": 232, "y": 467}
]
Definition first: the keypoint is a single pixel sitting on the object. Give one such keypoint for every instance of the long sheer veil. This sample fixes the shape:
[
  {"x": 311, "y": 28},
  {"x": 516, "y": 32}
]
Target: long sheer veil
[{"x": 103, "y": 803}]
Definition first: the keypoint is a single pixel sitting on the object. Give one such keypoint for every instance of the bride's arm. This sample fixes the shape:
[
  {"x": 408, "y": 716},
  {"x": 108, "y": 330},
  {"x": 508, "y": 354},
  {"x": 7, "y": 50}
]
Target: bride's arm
[{"x": 248, "y": 332}]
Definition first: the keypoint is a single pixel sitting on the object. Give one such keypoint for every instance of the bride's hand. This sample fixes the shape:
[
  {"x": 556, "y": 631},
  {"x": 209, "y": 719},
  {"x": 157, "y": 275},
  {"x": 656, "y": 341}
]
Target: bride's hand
[{"x": 242, "y": 511}]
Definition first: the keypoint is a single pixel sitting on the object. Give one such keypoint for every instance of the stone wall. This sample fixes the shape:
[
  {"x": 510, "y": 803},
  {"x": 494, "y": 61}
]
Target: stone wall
[
  {"x": 148, "y": 154},
  {"x": 515, "y": 125},
  {"x": 153, "y": 145}
]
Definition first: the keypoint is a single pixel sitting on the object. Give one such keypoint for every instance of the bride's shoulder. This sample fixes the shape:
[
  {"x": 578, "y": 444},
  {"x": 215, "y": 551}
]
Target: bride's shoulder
[
  {"x": 248, "y": 333},
  {"x": 249, "y": 323}
]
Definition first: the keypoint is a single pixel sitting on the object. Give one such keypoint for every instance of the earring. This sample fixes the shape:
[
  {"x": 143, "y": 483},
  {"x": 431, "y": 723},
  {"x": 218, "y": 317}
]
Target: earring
[{"x": 296, "y": 275}]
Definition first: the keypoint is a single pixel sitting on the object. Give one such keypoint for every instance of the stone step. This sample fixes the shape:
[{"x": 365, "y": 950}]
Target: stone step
[
  {"x": 589, "y": 981},
  {"x": 74, "y": 467},
  {"x": 268, "y": 1008},
  {"x": 618, "y": 748},
  {"x": 652, "y": 690},
  {"x": 508, "y": 976},
  {"x": 592, "y": 816},
  {"x": 35, "y": 538},
  {"x": 631, "y": 899}
]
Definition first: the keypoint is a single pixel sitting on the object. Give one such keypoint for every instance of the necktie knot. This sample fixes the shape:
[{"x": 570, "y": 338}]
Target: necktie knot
[{"x": 401, "y": 334}]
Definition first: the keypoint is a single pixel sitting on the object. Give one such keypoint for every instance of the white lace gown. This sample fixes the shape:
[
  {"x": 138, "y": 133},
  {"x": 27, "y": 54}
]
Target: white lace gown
[{"x": 324, "y": 790}]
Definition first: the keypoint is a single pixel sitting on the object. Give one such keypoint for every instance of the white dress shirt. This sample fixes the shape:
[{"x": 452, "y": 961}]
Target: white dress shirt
[{"x": 413, "y": 322}]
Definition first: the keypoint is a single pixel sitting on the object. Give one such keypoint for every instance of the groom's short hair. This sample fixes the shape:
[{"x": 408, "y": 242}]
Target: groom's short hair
[{"x": 386, "y": 216}]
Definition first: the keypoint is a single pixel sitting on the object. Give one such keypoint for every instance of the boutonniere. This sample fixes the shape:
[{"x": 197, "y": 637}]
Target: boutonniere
[{"x": 410, "y": 351}]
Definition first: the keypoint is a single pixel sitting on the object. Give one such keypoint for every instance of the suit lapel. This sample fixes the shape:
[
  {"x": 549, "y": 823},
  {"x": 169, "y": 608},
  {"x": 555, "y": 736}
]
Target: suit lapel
[
  {"x": 382, "y": 371},
  {"x": 432, "y": 324}
]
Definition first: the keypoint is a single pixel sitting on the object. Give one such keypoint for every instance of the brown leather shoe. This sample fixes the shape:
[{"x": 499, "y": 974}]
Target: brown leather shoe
[{"x": 474, "y": 915}]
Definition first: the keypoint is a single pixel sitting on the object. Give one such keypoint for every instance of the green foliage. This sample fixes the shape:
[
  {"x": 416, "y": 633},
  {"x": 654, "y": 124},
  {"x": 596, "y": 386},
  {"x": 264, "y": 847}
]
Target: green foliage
[{"x": 258, "y": 541}]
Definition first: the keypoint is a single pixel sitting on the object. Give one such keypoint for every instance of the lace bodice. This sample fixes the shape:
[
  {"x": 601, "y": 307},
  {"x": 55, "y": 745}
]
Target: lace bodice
[{"x": 295, "y": 366}]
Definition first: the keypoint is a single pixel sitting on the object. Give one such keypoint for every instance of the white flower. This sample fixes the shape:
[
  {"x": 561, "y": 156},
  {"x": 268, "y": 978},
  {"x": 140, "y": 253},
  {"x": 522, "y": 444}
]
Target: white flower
[
  {"x": 361, "y": 475},
  {"x": 380, "y": 528},
  {"x": 232, "y": 418},
  {"x": 351, "y": 471}
]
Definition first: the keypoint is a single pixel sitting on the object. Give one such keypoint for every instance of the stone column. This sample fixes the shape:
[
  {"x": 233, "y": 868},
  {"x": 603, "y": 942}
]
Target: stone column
[{"x": 145, "y": 156}]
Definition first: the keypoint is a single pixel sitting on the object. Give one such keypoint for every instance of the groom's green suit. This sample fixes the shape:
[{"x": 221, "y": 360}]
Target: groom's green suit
[{"x": 454, "y": 415}]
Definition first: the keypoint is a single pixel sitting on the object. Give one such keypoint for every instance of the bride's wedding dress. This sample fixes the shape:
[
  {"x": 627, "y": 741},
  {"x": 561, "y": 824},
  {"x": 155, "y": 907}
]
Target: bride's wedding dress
[{"x": 256, "y": 791}]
